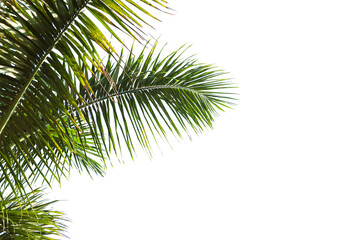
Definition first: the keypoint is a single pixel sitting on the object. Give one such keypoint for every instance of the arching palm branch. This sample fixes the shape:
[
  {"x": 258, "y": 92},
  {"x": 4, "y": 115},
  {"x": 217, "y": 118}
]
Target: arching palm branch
[{"x": 63, "y": 107}]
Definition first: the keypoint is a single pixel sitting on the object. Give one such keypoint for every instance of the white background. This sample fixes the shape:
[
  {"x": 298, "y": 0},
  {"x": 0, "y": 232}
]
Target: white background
[{"x": 284, "y": 164}]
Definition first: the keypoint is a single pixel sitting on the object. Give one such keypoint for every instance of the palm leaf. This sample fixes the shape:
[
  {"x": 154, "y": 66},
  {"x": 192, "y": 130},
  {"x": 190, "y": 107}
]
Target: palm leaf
[
  {"x": 154, "y": 95},
  {"x": 29, "y": 219}
]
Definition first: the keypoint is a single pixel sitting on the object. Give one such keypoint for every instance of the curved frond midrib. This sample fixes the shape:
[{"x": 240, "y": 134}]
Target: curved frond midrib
[
  {"x": 16, "y": 101},
  {"x": 155, "y": 87}
]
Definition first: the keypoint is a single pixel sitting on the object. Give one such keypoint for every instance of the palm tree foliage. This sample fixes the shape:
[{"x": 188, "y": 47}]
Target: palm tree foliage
[
  {"x": 31, "y": 218},
  {"x": 46, "y": 47},
  {"x": 62, "y": 106}
]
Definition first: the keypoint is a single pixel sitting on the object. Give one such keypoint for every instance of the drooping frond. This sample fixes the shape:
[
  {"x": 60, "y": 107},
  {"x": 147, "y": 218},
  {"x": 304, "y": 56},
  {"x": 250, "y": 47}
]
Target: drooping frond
[
  {"x": 153, "y": 96},
  {"x": 32, "y": 218},
  {"x": 46, "y": 48}
]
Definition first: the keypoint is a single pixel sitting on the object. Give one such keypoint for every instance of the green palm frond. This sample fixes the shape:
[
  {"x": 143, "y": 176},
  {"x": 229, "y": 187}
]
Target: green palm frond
[
  {"x": 153, "y": 95},
  {"x": 29, "y": 219}
]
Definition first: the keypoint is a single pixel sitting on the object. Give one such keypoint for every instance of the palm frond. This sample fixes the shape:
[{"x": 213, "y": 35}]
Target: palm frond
[
  {"x": 29, "y": 219},
  {"x": 152, "y": 96}
]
